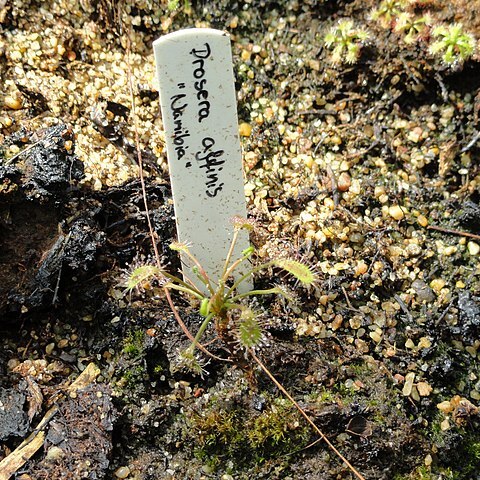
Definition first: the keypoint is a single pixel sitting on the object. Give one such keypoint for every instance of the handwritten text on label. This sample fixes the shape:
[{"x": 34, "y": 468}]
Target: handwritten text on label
[{"x": 209, "y": 159}]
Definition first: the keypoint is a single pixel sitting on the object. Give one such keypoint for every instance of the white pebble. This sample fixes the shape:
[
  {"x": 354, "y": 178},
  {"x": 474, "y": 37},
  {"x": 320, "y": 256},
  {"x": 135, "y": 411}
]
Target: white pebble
[
  {"x": 473, "y": 248},
  {"x": 122, "y": 472}
]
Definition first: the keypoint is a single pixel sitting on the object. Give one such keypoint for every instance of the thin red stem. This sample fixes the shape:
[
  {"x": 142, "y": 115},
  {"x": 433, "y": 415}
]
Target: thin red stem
[{"x": 304, "y": 415}]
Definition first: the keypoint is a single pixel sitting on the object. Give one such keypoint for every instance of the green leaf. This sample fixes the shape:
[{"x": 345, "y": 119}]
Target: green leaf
[
  {"x": 179, "y": 247},
  {"x": 299, "y": 270},
  {"x": 330, "y": 39},
  {"x": 248, "y": 251},
  {"x": 249, "y": 333},
  {"x": 172, "y": 5},
  {"x": 141, "y": 275}
]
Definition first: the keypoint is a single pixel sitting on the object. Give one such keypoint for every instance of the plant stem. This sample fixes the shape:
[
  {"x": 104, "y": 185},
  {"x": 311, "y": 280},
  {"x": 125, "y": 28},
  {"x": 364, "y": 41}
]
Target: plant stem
[
  {"x": 139, "y": 157},
  {"x": 203, "y": 275},
  {"x": 234, "y": 265},
  {"x": 248, "y": 274},
  {"x": 270, "y": 291},
  {"x": 187, "y": 331},
  {"x": 200, "y": 331},
  {"x": 176, "y": 280},
  {"x": 187, "y": 289},
  {"x": 453, "y": 232},
  {"x": 229, "y": 255}
]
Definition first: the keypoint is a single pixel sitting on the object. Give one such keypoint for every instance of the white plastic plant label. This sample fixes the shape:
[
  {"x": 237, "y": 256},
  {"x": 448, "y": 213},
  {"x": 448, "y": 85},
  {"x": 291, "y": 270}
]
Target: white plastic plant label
[{"x": 198, "y": 103}]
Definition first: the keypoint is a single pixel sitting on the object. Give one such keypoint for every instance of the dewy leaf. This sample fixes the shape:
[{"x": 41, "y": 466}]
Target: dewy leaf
[
  {"x": 250, "y": 333},
  {"x": 141, "y": 275},
  {"x": 299, "y": 270},
  {"x": 240, "y": 223},
  {"x": 179, "y": 247},
  {"x": 188, "y": 360}
]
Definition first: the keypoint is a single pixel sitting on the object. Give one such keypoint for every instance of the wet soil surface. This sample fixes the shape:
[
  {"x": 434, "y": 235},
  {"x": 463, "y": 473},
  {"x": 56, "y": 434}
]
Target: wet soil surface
[{"x": 368, "y": 168}]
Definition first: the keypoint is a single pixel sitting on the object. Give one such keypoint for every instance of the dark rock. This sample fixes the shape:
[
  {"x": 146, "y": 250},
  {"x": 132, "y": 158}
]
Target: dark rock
[
  {"x": 469, "y": 215},
  {"x": 13, "y": 419},
  {"x": 468, "y": 326},
  {"x": 50, "y": 167},
  {"x": 84, "y": 240}
]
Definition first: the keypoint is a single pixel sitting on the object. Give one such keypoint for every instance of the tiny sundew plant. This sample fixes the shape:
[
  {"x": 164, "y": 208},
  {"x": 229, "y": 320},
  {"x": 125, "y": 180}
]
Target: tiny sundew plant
[
  {"x": 238, "y": 326},
  {"x": 453, "y": 44},
  {"x": 174, "y": 4},
  {"x": 413, "y": 27},
  {"x": 387, "y": 12},
  {"x": 346, "y": 42}
]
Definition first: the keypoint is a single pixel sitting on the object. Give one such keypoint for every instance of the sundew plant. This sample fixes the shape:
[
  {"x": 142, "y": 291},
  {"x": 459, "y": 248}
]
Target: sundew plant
[
  {"x": 237, "y": 324},
  {"x": 345, "y": 41},
  {"x": 452, "y": 44}
]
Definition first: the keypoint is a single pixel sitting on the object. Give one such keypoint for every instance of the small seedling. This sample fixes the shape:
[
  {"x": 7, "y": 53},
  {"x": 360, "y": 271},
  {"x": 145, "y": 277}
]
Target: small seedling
[
  {"x": 413, "y": 27},
  {"x": 346, "y": 42},
  {"x": 454, "y": 45},
  {"x": 387, "y": 12},
  {"x": 174, "y": 4}
]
